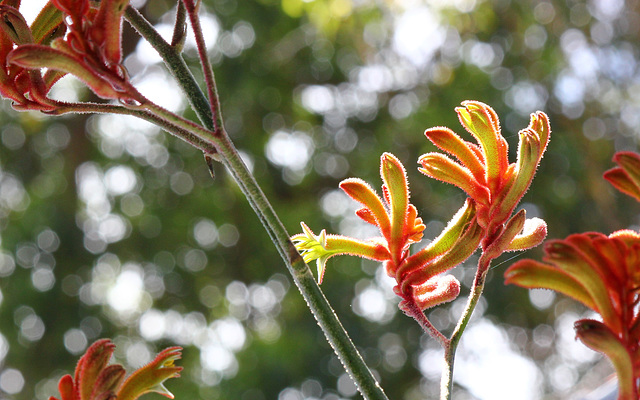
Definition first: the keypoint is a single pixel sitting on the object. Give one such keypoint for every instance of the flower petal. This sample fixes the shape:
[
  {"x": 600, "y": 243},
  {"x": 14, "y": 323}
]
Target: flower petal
[
  {"x": 47, "y": 24},
  {"x": 33, "y": 56},
  {"x": 458, "y": 224},
  {"x": 90, "y": 366},
  {"x": 532, "y": 274},
  {"x": 322, "y": 247},
  {"x": 416, "y": 270},
  {"x": 106, "y": 30},
  {"x": 361, "y": 192},
  {"x": 532, "y": 145},
  {"x": 107, "y": 382},
  {"x": 14, "y": 25},
  {"x": 482, "y": 122},
  {"x": 66, "y": 388},
  {"x": 453, "y": 144},
  {"x": 150, "y": 378},
  {"x": 438, "y": 290},
  {"x": 75, "y": 8},
  {"x": 626, "y": 178},
  {"x": 441, "y": 167},
  {"x": 533, "y": 233},
  {"x": 570, "y": 259},
  {"x": 395, "y": 180}
]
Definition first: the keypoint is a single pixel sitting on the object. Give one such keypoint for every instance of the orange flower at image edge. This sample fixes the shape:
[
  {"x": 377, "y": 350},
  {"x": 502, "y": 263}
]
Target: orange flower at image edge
[{"x": 95, "y": 380}]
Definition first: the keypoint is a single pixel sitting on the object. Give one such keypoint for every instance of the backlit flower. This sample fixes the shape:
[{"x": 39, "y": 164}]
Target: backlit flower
[
  {"x": 78, "y": 37},
  {"x": 483, "y": 170}
]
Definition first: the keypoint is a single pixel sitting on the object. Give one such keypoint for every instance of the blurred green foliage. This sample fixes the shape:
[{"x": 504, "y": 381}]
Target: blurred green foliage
[{"x": 111, "y": 228}]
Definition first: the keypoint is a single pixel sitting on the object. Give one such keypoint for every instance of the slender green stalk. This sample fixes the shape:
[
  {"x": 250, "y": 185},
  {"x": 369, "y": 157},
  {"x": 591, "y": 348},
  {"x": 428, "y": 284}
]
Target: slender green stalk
[
  {"x": 227, "y": 153},
  {"x": 181, "y": 128},
  {"x": 320, "y": 307},
  {"x": 176, "y": 65},
  {"x": 446, "y": 380},
  {"x": 209, "y": 79}
]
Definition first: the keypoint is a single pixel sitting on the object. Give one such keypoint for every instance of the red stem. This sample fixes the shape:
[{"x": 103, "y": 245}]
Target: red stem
[{"x": 212, "y": 93}]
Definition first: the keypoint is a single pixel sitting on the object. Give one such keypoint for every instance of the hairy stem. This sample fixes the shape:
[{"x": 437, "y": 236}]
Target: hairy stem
[
  {"x": 302, "y": 276},
  {"x": 227, "y": 153},
  {"x": 209, "y": 78},
  {"x": 412, "y": 310},
  {"x": 183, "y": 129},
  {"x": 446, "y": 380}
]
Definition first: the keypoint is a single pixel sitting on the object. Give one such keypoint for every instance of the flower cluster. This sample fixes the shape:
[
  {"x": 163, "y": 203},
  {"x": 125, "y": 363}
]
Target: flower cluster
[
  {"x": 68, "y": 36},
  {"x": 494, "y": 187},
  {"x": 95, "y": 380},
  {"x": 399, "y": 226},
  {"x": 603, "y": 273},
  {"x": 483, "y": 170}
]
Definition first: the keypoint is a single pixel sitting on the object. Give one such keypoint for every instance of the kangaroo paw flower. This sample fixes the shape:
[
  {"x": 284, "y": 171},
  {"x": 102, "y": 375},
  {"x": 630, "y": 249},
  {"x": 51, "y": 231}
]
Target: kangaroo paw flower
[
  {"x": 77, "y": 37},
  {"x": 95, "y": 380},
  {"x": 483, "y": 170},
  {"x": 417, "y": 275}
]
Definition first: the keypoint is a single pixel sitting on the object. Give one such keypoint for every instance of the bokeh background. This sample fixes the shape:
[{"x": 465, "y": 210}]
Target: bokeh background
[{"x": 109, "y": 227}]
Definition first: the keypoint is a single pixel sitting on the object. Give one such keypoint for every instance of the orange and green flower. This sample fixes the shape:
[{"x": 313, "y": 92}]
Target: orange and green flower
[
  {"x": 483, "y": 170},
  {"x": 494, "y": 187},
  {"x": 94, "y": 379},
  {"x": 397, "y": 220}
]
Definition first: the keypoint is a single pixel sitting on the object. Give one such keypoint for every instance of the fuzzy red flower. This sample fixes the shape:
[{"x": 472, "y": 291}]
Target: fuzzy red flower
[
  {"x": 483, "y": 170},
  {"x": 27, "y": 87},
  {"x": 68, "y": 36},
  {"x": 95, "y": 380}
]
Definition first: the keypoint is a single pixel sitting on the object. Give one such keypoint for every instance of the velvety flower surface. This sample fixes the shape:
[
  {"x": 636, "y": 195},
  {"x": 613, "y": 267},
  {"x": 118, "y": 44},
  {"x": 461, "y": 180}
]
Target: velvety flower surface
[
  {"x": 27, "y": 87},
  {"x": 626, "y": 177},
  {"x": 603, "y": 273},
  {"x": 94, "y": 379}
]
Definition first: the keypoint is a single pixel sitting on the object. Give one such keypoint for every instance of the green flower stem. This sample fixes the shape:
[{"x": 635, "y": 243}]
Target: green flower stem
[
  {"x": 179, "y": 127},
  {"x": 446, "y": 380},
  {"x": 207, "y": 69},
  {"x": 302, "y": 276},
  {"x": 227, "y": 153},
  {"x": 176, "y": 65},
  {"x": 180, "y": 27}
]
